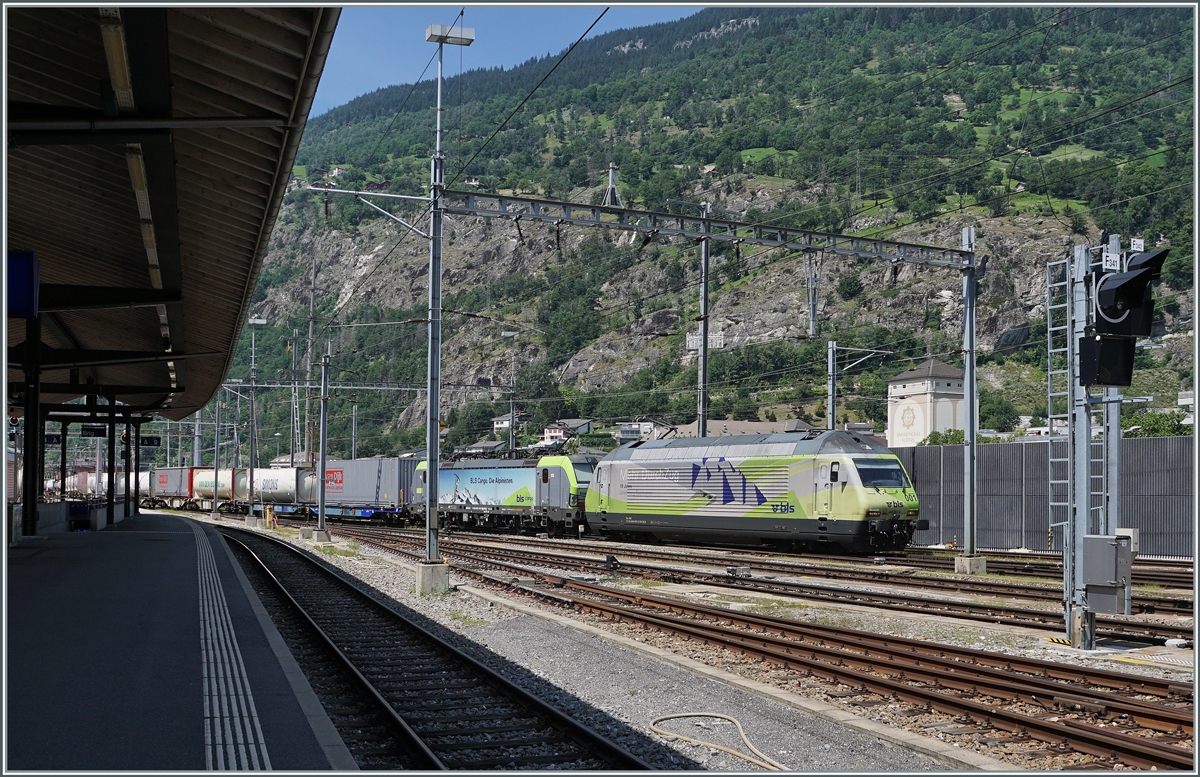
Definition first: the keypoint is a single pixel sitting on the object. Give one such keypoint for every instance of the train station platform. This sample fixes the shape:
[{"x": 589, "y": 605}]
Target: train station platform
[{"x": 142, "y": 647}]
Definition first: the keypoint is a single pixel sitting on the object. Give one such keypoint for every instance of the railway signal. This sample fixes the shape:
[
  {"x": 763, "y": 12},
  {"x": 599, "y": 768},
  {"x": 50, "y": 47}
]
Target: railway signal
[{"x": 1124, "y": 308}]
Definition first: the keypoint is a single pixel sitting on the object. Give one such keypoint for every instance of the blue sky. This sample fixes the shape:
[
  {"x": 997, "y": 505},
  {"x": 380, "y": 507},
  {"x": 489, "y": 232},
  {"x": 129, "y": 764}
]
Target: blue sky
[{"x": 376, "y": 47}]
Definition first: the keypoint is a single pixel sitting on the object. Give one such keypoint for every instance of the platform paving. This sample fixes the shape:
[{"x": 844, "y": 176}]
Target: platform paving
[{"x": 137, "y": 648}]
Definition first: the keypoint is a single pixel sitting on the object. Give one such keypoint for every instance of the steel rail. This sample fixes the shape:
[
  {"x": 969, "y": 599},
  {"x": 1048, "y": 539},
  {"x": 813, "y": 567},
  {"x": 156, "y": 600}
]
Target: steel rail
[
  {"x": 601, "y": 747},
  {"x": 1142, "y": 604},
  {"x": 1011, "y": 616},
  {"x": 405, "y": 732},
  {"x": 1046, "y": 675},
  {"x": 1029, "y": 565}
]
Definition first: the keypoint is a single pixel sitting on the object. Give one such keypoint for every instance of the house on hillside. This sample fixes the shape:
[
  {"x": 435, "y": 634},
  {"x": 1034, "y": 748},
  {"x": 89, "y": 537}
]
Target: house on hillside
[
  {"x": 928, "y": 398},
  {"x": 564, "y": 429},
  {"x": 501, "y": 422}
]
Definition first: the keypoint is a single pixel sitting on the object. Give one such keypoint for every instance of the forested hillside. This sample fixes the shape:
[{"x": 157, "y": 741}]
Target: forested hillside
[{"x": 1042, "y": 127}]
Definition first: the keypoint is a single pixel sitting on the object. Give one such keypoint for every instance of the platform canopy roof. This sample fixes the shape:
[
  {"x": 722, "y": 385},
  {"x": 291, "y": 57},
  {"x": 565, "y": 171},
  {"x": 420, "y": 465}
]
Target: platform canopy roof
[{"x": 149, "y": 150}]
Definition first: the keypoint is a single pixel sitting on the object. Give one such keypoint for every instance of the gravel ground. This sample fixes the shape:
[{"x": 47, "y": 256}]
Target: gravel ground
[
  {"x": 644, "y": 688},
  {"x": 621, "y": 691}
]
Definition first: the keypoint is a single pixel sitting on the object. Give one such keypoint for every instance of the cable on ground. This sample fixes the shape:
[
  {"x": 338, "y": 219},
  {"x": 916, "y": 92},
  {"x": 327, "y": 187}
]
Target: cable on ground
[{"x": 765, "y": 762}]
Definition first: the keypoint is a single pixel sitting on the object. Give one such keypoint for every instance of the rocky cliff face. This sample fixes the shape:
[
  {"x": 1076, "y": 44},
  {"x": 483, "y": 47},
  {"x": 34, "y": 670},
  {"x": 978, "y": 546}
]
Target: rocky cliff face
[{"x": 380, "y": 263}]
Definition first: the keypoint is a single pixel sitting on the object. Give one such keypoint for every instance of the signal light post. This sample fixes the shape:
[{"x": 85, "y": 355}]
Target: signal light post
[{"x": 1108, "y": 305}]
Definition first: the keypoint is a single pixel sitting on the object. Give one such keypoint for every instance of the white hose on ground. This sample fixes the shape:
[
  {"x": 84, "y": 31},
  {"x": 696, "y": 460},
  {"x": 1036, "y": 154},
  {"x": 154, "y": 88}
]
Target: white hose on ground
[{"x": 765, "y": 763}]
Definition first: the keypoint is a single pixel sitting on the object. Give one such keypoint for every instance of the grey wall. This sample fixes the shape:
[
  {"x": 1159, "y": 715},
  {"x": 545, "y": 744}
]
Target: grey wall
[{"x": 1156, "y": 494}]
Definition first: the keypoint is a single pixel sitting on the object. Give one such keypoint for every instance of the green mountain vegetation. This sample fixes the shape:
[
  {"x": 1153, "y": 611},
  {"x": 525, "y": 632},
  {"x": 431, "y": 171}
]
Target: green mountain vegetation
[{"x": 1035, "y": 124}]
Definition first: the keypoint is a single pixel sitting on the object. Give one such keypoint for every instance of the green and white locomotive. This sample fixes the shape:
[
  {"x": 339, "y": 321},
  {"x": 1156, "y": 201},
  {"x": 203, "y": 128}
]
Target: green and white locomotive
[
  {"x": 518, "y": 495},
  {"x": 819, "y": 490}
]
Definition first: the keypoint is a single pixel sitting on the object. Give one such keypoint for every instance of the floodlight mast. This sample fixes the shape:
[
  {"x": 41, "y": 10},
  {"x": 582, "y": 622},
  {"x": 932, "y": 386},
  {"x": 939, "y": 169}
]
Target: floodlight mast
[{"x": 458, "y": 36}]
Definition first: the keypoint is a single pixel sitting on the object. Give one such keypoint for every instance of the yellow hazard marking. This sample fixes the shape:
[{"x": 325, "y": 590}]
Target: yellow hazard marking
[{"x": 1058, "y": 640}]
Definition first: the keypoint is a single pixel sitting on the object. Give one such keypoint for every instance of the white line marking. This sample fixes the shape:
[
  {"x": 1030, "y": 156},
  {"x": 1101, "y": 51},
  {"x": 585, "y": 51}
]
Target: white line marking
[{"x": 233, "y": 737}]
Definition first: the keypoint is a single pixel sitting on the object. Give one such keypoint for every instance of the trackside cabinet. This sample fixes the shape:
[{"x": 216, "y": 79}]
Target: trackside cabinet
[{"x": 1107, "y": 571}]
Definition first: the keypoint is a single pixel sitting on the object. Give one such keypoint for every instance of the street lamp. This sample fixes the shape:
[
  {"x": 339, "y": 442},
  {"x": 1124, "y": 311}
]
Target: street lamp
[
  {"x": 457, "y": 36},
  {"x": 512, "y": 396},
  {"x": 277, "y": 436}
]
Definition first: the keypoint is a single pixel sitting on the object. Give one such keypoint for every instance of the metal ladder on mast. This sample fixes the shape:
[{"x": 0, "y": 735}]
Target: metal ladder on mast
[{"x": 1059, "y": 379}]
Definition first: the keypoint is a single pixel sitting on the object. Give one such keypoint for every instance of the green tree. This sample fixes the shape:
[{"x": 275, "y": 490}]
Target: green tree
[
  {"x": 849, "y": 285},
  {"x": 996, "y": 411},
  {"x": 1147, "y": 423},
  {"x": 948, "y": 437}
]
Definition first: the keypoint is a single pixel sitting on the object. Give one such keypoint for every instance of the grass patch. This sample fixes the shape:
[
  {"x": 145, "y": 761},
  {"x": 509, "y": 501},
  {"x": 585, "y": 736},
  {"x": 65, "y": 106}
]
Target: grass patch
[
  {"x": 758, "y": 154},
  {"x": 333, "y": 550},
  {"x": 466, "y": 620}
]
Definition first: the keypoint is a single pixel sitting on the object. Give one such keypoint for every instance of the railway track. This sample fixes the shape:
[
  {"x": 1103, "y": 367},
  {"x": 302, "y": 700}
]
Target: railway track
[
  {"x": 446, "y": 709},
  {"x": 1137, "y": 721},
  {"x": 1142, "y": 603},
  {"x": 1167, "y": 574},
  {"x": 518, "y": 562}
]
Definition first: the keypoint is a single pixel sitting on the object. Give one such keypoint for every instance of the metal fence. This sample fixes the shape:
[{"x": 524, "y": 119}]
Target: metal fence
[{"x": 1156, "y": 494}]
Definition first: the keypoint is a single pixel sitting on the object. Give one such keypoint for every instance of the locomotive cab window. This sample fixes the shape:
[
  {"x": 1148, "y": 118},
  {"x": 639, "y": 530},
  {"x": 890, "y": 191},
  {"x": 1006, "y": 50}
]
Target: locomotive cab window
[
  {"x": 545, "y": 476},
  {"x": 881, "y": 473},
  {"x": 833, "y": 472},
  {"x": 583, "y": 473}
]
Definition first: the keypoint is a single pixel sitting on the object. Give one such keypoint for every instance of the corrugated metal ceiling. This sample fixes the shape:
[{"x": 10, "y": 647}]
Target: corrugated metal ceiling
[{"x": 248, "y": 75}]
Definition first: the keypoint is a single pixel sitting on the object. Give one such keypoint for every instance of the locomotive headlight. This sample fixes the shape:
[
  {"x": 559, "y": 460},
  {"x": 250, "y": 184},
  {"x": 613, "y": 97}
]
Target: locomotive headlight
[
  {"x": 912, "y": 513},
  {"x": 572, "y": 500},
  {"x": 873, "y": 513}
]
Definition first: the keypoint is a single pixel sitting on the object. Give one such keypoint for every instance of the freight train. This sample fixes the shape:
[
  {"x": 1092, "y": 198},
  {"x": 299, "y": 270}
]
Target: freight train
[
  {"x": 362, "y": 489},
  {"x": 828, "y": 491}
]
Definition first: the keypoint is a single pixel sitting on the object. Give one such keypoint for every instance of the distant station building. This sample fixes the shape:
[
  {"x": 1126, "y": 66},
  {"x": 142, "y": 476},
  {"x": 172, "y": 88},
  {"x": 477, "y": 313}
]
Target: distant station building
[{"x": 925, "y": 399}]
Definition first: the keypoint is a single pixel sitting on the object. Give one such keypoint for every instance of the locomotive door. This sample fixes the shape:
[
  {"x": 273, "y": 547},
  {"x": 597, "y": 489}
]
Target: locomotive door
[
  {"x": 549, "y": 483},
  {"x": 599, "y": 480},
  {"x": 825, "y": 475}
]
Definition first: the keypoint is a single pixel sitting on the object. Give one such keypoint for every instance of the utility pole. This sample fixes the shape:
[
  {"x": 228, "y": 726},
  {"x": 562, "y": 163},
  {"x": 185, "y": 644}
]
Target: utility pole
[
  {"x": 813, "y": 285},
  {"x": 612, "y": 198},
  {"x": 293, "y": 414},
  {"x": 354, "y": 431},
  {"x": 216, "y": 515},
  {"x": 237, "y": 437},
  {"x": 308, "y": 366},
  {"x": 706, "y": 211},
  {"x": 512, "y": 395},
  {"x": 702, "y": 370},
  {"x": 197, "y": 452},
  {"x": 831, "y": 386},
  {"x": 969, "y": 563},
  {"x": 253, "y": 425},
  {"x": 322, "y": 535},
  {"x": 433, "y": 575}
]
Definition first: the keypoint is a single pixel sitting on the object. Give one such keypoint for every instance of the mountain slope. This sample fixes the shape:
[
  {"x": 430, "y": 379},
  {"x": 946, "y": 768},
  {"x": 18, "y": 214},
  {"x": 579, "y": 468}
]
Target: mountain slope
[{"x": 1042, "y": 128}]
